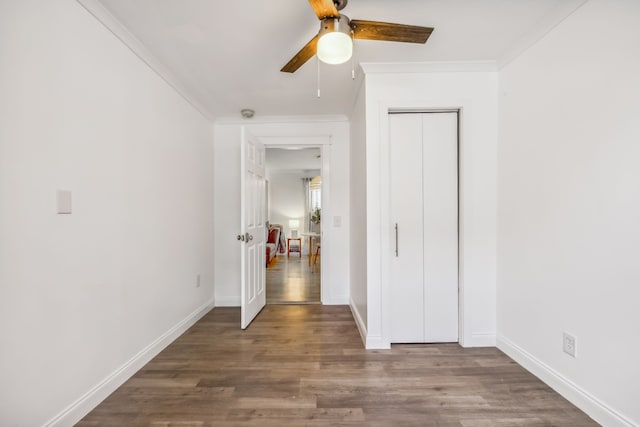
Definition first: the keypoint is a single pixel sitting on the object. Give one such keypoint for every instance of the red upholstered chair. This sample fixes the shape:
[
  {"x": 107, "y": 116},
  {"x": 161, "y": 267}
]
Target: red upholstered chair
[{"x": 273, "y": 238}]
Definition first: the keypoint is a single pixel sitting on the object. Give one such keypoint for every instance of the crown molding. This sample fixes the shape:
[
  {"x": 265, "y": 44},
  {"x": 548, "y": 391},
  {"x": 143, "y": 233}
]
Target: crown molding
[
  {"x": 258, "y": 120},
  {"x": 111, "y": 23}
]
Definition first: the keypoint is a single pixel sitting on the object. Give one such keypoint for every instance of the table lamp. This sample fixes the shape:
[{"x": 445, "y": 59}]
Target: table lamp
[{"x": 293, "y": 226}]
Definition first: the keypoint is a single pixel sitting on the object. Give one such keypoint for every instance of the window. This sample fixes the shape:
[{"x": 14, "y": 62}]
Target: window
[{"x": 315, "y": 193}]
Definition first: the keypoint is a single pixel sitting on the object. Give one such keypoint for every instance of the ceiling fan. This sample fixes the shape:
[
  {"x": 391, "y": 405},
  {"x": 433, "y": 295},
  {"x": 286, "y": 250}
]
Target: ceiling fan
[{"x": 334, "y": 42}]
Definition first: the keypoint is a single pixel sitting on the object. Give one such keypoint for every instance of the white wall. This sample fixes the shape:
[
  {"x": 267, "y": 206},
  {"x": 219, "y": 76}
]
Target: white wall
[
  {"x": 286, "y": 195},
  {"x": 358, "y": 234},
  {"x": 569, "y": 204},
  {"x": 282, "y": 131},
  {"x": 474, "y": 90},
  {"x": 83, "y": 294}
]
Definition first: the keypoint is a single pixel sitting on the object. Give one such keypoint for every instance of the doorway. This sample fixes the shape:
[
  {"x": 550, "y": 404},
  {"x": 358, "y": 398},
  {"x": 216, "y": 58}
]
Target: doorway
[
  {"x": 294, "y": 196},
  {"x": 424, "y": 216}
]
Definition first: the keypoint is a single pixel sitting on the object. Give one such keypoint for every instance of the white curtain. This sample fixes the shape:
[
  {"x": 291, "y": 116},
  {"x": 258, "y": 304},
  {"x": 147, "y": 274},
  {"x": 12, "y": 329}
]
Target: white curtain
[{"x": 307, "y": 204}]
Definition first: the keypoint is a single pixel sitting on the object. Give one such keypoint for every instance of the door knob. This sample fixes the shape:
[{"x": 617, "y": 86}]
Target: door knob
[{"x": 241, "y": 237}]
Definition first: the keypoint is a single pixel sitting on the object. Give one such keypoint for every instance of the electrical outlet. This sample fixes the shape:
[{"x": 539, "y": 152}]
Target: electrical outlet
[
  {"x": 569, "y": 344},
  {"x": 198, "y": 281}
]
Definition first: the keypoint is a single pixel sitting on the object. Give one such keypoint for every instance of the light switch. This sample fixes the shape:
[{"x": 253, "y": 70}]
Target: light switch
[
  {"x": 337, "y": 221},
  {"x": 64, "y": 201}
]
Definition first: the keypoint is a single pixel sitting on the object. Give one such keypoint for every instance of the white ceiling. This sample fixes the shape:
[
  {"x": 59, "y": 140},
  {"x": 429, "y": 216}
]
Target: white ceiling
[{"x": 227, "y": 54}]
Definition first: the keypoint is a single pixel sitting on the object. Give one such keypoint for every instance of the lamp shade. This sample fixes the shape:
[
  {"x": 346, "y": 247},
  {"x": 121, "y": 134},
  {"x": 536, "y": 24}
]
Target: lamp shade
[
  {"x": 335, "y": 45},
  {"x": 294, "y": 224}
]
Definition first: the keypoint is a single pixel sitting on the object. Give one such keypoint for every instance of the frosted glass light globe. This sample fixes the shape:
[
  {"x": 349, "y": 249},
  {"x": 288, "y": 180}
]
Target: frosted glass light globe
[{"x": 335, "y": 48}]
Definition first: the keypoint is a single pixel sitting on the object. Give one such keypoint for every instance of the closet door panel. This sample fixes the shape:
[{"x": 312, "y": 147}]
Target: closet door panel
[
  {"x": 440, "y": 225},
  {"x": 406, "y": 287}
]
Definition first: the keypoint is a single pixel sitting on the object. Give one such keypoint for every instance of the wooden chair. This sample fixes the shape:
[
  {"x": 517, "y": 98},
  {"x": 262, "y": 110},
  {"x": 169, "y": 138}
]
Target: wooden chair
[{"x": 315, "y": 256}]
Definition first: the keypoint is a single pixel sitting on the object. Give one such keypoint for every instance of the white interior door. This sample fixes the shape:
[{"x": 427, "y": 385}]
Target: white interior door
[
  {"x": 424, "y": 213},
  {"x": 253, "y": 296},
  {"x": 440, "y": 201},
  {"x": 407, "y": 275}
]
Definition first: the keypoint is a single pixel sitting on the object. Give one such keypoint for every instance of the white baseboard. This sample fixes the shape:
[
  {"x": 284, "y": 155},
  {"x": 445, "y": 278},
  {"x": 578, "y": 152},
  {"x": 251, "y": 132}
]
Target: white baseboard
[
  {"x": 482, "y": 339},
  {"x": 371, "y": 342},
  {"x": 225, "y": 301},
  {"x": 375, "y": 342},
  {"x": 362, "y": 328},
  {"x": 337, "y": 301},
  {"x": 81, "y": 407},
  {"x": 591, "y": 405}
]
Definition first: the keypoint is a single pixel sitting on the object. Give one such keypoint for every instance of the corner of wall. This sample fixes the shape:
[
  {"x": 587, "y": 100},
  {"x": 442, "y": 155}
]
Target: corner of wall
[
  {"x": 482, "y": 339},
  {"x": 228, "y": 301},
  {"x": 104, "y": 16},
  {"x": 370, "y": 341},
  {"x": 362, "y": 328},
  {"x": 550, "y": 21}
]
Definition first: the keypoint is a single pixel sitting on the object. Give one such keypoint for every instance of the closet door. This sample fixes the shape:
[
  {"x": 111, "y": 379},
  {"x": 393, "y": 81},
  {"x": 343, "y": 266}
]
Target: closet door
[
  {"x": 440, "y": 241},
  {"x": 407, "y": 290},
  {"x": 424, "y": 213}
]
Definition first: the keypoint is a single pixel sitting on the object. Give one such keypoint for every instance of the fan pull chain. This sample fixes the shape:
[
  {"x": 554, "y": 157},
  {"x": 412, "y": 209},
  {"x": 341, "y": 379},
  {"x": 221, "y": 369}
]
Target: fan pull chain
[
  {"x": 353, "y": 57},
  {"x": 318, "y": 81}
]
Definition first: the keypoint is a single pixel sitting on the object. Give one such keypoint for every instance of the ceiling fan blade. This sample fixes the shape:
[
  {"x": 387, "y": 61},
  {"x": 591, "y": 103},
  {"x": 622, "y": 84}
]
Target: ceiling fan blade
[
  {"x": 324, "y": 8},
  {"x": 372, "y": 30},
  {"x": 301, "y": 57}
]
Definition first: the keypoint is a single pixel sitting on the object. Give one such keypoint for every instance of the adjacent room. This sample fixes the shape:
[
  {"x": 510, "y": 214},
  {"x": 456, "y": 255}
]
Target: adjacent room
[
  {"x": 294, "y": 212},
  {"x": 319, "y": 212}
]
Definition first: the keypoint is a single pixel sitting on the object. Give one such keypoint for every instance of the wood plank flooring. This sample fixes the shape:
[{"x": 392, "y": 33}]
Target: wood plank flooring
[
  {"x": 304, "y": 365},
  {"x": 292, "y": 280}
]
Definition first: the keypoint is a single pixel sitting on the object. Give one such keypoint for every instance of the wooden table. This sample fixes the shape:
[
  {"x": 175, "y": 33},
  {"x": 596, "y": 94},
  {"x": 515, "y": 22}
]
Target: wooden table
[{"x": 310, "y": 235}]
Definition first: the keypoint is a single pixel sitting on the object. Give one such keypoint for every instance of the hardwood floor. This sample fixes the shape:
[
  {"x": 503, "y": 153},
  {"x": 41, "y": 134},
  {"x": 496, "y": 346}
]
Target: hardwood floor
[
  {"x": 305, "y": 365},
  {"x": 292, "y": 280}
]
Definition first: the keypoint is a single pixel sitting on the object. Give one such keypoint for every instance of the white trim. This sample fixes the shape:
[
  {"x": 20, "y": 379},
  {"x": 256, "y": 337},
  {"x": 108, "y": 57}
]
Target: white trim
[
  {"x": 594, "y": 407},
  {"x": 336, "y": 301},
  {"x": 259, "y": 120},
  {"x": 326, "y": 232},
  {"x": 550, "y": 21},
  {"x": 482, "y": 339},
  {"x": 385, "y": 108},
  {"x": 324, "y": 143},
  {"x": 81, "y": 407},
  {"x": 226, "y": 301},
  {"x": 371, "y": 342},
  {"x": 302, "y": 140},
  {"x": 377, "y": 342},
  {"x": 428, "y": 67},
  {"x": 111, "y": 23},
  {"x": 362, "y": 328}
]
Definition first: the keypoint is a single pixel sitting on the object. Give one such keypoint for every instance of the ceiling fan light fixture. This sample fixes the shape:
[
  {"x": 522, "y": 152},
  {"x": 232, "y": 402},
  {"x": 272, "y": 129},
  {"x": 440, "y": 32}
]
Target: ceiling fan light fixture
[{"x": 335, "y": 43}]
